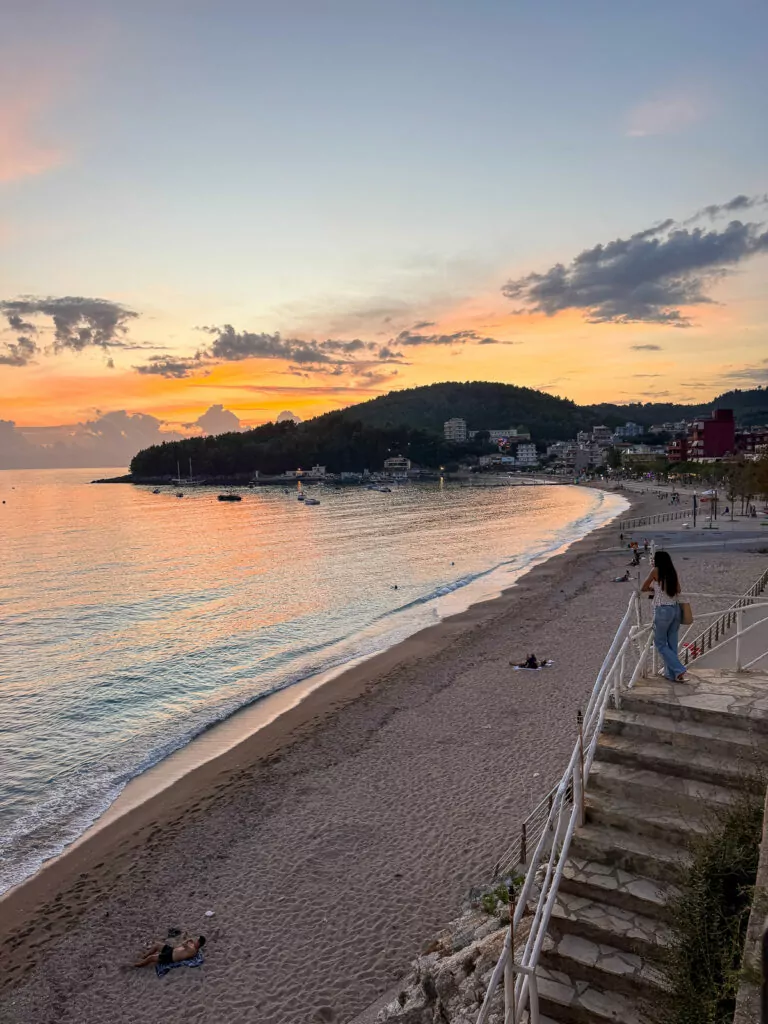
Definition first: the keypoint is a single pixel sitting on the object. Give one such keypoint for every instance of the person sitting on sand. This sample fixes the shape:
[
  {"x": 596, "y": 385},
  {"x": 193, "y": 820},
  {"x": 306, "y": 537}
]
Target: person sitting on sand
[
  {"x": 530, "y": 662},
  {"x": 162, "y": 953}
]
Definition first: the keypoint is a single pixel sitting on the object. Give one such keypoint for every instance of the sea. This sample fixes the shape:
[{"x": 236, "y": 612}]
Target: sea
[{"x": 133, "y": 622}]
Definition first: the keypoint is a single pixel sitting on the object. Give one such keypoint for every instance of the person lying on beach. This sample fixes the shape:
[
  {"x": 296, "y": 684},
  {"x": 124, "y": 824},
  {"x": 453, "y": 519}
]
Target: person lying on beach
[
  {"x": 161, "y": 953},
  {"x": 622, "y": 579},
  {"x": 531, "y": 662}
]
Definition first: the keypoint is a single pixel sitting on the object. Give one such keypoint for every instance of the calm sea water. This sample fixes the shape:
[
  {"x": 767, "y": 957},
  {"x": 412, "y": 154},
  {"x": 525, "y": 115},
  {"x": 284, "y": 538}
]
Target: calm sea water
[{"x": 130, "y": 622}]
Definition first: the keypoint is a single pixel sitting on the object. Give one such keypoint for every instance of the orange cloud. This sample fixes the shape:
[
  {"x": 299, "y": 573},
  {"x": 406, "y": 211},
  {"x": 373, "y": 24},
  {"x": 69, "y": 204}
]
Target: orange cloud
[{"x": 21, "y": 153}]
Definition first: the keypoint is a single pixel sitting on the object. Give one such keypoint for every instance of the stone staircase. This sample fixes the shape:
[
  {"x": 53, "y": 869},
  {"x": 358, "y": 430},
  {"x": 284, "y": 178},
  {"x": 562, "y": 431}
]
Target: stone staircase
[{"x": 673, "y": 755}]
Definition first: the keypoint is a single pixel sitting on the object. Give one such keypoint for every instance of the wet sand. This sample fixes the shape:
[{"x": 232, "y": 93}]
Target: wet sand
[{"x": 335, "y": 841}]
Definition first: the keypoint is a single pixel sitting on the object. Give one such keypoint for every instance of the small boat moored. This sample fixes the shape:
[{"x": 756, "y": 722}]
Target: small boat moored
[
  {"x": 311, "y": 501},
  {"x": 230, "y": 497}
]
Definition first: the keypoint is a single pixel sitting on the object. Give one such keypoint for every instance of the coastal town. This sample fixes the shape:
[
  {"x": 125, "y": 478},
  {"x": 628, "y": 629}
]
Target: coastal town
[{"x": 625, "y": 448}]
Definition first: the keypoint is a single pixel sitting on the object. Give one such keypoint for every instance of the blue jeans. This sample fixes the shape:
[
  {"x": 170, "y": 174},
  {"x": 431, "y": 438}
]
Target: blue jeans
[{"x": 666, "y": 624}]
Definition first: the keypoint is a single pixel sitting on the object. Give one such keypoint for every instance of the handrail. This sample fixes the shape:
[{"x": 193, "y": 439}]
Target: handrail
[
  {"x": 625, "y": 663},
  {"x": 703, "y": 641},
  {"x": 553, "y": 834},
  {"x": 659, "y": 517}
]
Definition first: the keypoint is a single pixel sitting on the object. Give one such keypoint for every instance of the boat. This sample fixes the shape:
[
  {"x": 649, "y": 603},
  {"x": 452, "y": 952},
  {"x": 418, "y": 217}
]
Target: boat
[
  {"x": 311, "y": 501},
  {"x": 301, "y": 496},
  {"x": 179, "y": 494},
  {"x": 231, "y": 496},
  {"x": 156, "y": 490}
]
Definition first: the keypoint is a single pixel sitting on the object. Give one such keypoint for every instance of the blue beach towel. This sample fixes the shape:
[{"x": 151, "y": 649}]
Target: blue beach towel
[{"x": 195, "y": 961}]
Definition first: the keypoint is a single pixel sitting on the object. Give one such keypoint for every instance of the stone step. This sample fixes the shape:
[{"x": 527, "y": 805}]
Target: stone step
[
  {"x": 638, "y": 854},
  {"x": 603, "y": 966},
  {"x": 738, "y": 745},
  {"x": 664, "y": 699},
  {"x": 645, "y": 787},
  {"x": 674, "y": 827},
  {"x": 617, "y": 888},
  {"x": 604, "y": 924},
  {"x": 580, "y": 1003},
  {"x": 698, "y": 765}
]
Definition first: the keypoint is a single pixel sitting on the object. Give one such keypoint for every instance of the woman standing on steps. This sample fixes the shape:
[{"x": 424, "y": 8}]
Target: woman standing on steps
[{"x": 665, "y": 584}]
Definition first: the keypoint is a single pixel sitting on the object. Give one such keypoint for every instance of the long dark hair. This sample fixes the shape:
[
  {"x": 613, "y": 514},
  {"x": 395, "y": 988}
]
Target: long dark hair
[{"x": 667, "y": 575}]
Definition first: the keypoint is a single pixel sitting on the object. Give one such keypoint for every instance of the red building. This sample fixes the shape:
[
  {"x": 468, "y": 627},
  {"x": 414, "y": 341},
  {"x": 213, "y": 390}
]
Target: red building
[
  {"x": 677, "y": 450},
  {"x": 715, "y": 437}
]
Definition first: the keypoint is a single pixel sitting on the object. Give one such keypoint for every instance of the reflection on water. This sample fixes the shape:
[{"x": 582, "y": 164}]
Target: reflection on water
[{"x": 131, "y": 621}]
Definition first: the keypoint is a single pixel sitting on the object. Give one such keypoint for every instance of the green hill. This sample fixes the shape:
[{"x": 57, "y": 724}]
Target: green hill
[
  {"x": 410, "y": 422},
  {"x": 498, "y": 406}
]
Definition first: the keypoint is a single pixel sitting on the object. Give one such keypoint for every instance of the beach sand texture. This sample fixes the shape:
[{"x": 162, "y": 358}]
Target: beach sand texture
[{"x": 333, "y": 844}]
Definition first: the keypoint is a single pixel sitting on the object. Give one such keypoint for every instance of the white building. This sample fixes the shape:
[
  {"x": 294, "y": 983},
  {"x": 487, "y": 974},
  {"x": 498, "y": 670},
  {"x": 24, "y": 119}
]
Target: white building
[
  {"x": 602, "y": 435},
  {"x": 630, "y": 430},
  {"x": 455, "y": 430},
  {"x": 497, "y": 459},
  {"x": 397, "y": 464},
  {"x": 526, "y": 455}
]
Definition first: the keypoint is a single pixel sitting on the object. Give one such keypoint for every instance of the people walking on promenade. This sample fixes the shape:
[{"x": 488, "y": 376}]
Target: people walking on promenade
[{"x": 664, "y": 583}]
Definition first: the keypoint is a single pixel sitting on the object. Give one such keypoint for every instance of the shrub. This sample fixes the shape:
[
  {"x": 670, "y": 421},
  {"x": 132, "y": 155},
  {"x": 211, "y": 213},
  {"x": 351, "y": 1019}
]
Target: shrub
[{"x": 710, "y": 917}]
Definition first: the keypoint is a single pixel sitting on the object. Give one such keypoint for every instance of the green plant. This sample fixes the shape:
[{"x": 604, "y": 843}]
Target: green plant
[
  {"x": 710, "y": 915},
  {"x": 489, "y": 903}
]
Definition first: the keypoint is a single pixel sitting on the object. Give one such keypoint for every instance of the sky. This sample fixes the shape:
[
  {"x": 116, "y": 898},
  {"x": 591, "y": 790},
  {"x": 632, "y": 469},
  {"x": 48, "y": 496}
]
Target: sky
[{"x": 224, "y": 210}]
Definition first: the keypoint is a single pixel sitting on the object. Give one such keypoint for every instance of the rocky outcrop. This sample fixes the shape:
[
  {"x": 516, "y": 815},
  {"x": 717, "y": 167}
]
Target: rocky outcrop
[{"x": 448, "y": 981}]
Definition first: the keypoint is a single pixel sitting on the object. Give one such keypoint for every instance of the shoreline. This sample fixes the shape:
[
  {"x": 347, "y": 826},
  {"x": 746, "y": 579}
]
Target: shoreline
[
  {"x": 332, "y": 845},
  {"x": 280, "y": 718}
]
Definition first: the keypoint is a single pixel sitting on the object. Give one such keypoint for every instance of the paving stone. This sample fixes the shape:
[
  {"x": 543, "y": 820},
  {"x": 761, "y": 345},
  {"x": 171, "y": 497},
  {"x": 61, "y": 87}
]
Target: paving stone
[{"x": 674, "y": 754}]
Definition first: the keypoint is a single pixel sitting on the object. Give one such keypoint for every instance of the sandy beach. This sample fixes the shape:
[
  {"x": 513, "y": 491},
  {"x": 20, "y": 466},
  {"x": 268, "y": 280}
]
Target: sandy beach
[{"x": 332, "y": 844}]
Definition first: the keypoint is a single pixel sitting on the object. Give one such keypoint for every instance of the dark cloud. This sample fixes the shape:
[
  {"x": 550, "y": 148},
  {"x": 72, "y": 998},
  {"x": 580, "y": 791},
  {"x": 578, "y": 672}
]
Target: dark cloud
[
  {"x": 646, "y": 374},
  {"x": 409, "y": 339},
  {"x": 331, "y": 357},
  {"x": 173, "y": 366},
  {"x": 78, "y": 322},
  {"x": 422, "y": 325},
  {"x": 230, "y": 345},
  {"x": 17, "y": 323},
  {"x": 645, "y": 348},
  {"x": 18, "y": 353},
  {"x": 644, "y": 278},
  {"x": 736, "y": 205},
  {"x": 747, "y": 374},
  {"x": 389, "y": 355}
]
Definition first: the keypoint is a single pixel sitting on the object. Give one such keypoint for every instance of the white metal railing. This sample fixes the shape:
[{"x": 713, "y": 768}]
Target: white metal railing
[
  {"x": 652, "y": 520},
  {"x": 625, "y": 663},
  {"x": 554, "y": 832},
  {"x": 714, "y": 634}
]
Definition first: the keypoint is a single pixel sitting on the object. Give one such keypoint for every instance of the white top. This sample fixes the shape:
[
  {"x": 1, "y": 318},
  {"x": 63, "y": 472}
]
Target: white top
[{"x": 661, "y": 597}]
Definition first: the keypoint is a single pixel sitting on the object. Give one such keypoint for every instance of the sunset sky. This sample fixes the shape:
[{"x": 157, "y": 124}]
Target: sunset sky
[{"x": 298, "y": 205}]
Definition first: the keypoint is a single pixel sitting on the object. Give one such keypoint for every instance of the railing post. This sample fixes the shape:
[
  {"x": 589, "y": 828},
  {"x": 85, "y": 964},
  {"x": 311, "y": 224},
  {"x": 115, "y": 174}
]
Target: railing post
[
  {"x": 739, "y": 624},
  {"x": 524, "y": 844},
  {"x": 533, "y": 997},
  {"x": 578, "y": 777},
  {"x": 510, "y": 1017}
]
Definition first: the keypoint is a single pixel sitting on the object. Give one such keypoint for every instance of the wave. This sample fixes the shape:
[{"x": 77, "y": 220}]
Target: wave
[{"x": 81, "y": 796}]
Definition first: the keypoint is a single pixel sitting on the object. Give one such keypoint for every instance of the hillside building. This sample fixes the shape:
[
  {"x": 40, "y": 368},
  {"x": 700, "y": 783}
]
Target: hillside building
[
  {"x": 715, "y": 437},
  {"x": 455, "y": 430}
]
